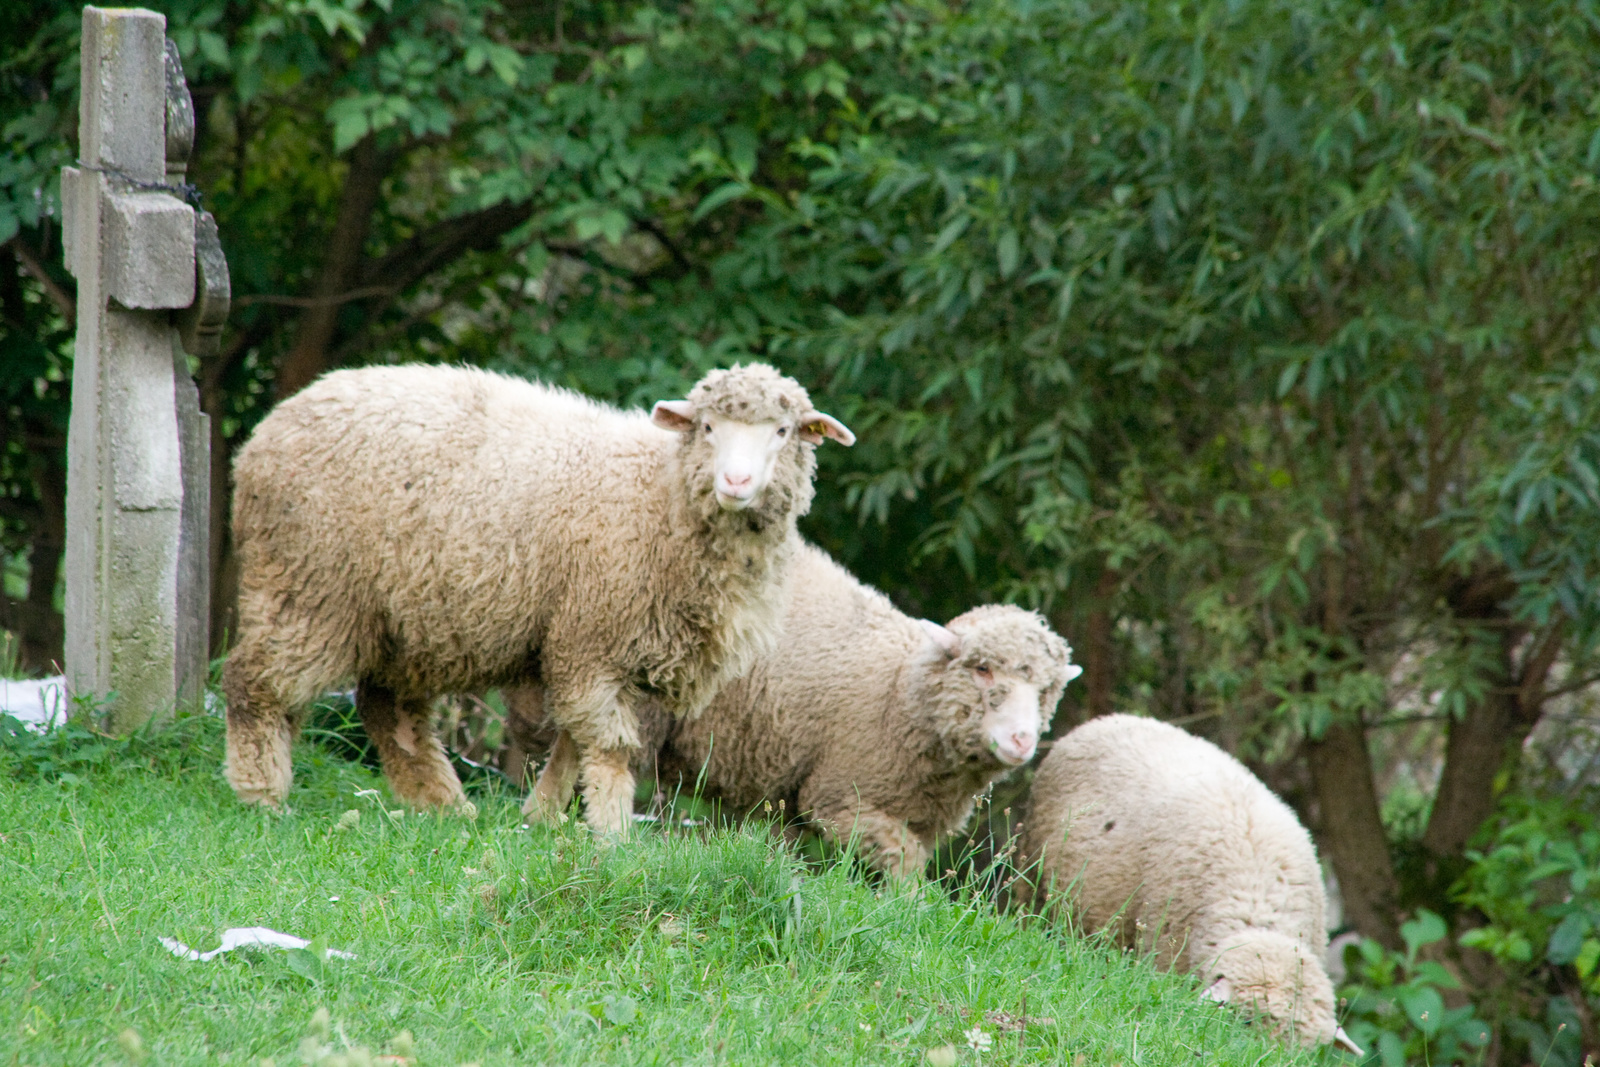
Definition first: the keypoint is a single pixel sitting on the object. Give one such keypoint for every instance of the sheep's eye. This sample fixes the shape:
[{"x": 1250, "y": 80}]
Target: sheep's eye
[
  {"x": 984, "y": 675},
  {"x": 783, "y": 431},
  {"x": 708, "y": 428}
]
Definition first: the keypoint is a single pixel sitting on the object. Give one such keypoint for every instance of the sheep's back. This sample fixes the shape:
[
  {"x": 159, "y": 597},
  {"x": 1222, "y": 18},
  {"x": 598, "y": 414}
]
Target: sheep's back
[
  {"x": 831, "y": 679},
  {"x": 431, "y": 503},
  {"x": 1143, "y": 812}
]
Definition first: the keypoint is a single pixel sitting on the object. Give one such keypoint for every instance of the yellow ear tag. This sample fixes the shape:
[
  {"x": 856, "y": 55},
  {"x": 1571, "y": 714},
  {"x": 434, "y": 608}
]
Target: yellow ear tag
[{"x": 818, "y": 428}]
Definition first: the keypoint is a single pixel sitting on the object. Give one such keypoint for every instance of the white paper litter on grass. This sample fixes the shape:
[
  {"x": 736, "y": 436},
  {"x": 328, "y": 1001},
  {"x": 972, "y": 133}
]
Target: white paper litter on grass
[
  {"x": 38, "y": 702},
  {"x": 246, "y": 937}
]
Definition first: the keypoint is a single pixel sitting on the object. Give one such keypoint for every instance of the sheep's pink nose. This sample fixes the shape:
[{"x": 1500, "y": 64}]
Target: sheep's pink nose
[
  {"x": 1023, "y": 743},
  {"x": 737, "y": 481}
]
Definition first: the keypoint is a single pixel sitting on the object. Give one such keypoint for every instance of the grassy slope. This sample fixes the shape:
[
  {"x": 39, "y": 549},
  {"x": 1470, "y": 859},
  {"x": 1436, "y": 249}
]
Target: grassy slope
[{"x": 497, "y": 945}]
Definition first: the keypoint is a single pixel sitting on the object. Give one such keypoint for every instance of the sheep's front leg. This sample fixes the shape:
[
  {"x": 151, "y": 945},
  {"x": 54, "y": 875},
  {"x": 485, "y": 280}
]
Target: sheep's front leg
[
  {"x": 557, "y": 779},
  {"x": 605, "y": 734},
  {"x": 415, "y": 763},
  {"x": 607, "y": 790}
]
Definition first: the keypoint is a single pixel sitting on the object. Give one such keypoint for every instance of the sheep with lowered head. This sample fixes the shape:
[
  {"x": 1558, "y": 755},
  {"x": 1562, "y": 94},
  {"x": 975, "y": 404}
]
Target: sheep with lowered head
[
  {"x": 426, "y": 529},
  {"x": 1168, "y": 841},
  {"x": 869, "y": 724}
]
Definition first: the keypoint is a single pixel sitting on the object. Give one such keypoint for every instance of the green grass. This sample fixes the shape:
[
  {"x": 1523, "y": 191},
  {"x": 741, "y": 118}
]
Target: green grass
[{"x": 496, "y": 945}]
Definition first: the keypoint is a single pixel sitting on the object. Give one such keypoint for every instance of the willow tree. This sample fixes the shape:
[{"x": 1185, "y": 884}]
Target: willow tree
[
  {"x": 1254, "y": 340},
  {"x": 1269, "y": 330}
]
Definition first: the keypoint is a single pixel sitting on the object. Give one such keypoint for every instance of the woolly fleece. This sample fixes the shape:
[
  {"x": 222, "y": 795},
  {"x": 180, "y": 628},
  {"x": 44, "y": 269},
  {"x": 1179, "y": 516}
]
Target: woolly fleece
[
  {"x": 858, "y": 722},
  {"x": 427, "y": 529},
  {"x": 1173, "y": 845}
]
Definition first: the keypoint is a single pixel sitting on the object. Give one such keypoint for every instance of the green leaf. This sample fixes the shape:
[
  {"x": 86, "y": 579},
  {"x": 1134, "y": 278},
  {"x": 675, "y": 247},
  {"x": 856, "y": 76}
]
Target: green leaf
[
  {"x": 619, "y": 1010},
  {"x": 1425, "y": 929},
  {"x": 1006, "y": 251},
  {"x": 214, "y": 48},
  {"x": 718, "y": 197},
  {"x": 1424, "y": 1007},
  {"x": 1567, "y": 939},
  {"x": 1587, "y": 958},
  {"x": 1287, "y": 377},
  {"x": 741, "y": 144},
  {"x": 1436, "y": 975},
  {"x": 952, "y": 230},
  {"x": 352, "y": 120},
  {"x": 506, "y": 62},
  {"x": 1391, "y": 1050}
]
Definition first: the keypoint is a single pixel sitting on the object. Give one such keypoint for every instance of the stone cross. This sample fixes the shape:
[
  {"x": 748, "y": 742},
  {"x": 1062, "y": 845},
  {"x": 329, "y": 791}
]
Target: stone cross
[{"x": 137, "y": 443}]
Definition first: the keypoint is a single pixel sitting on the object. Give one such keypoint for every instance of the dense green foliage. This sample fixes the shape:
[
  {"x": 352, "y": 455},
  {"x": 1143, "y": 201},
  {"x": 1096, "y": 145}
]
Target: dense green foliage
[
  {"x": 491, "y": 944},
  {"x": 1254, "y": 341}
]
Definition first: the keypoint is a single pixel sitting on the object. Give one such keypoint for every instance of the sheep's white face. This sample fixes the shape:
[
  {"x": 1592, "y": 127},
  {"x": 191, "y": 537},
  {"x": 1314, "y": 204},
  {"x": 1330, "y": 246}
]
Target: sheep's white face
[
  {"x": 1281, "y": 981},
  {"x": 1011, "y": 699},
  {"x": 1013, "y": 725},
  {"x": 744, "y": 454}
]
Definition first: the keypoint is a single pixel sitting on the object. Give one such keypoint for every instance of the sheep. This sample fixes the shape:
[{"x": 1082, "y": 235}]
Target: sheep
[
  {"x": 427, "y": 529},
  {"x": 1170, "y": 844},
  {"x": 869, "y": 724}
]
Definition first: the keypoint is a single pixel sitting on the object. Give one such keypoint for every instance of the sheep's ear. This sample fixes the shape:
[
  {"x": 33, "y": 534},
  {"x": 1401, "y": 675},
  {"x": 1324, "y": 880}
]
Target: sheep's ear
[
  {"x": 676, "y": 415},
  {"x": 1343, "y": 1040},
  {"x": 948, "y": 642},
  {"x": 814, "y": 426},
  {"x": 1069, "y": 672},
  {"x": 1220, "y": 991}
]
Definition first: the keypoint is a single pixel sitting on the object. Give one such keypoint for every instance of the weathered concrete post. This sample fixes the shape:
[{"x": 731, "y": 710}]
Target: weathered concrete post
[{"x": 130, "y": 566}]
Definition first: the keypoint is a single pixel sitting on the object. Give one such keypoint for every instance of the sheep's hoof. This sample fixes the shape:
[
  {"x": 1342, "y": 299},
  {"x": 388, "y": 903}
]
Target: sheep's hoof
[
  {"x": 260, "y": 798},
  {"x": 608, "y": 838}
]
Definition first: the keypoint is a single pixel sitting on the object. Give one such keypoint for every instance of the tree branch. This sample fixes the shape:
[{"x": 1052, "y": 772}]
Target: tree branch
[
  {"x": 312, "y": 301},
  {"x": 33, "y": 263},
  {"x": 443, "y": 243},
  {"x": 1530, "y": 688},
  {"x": 357, "y": 202},
  {"x": 426, "y": 252},
  {"x": 1570, "y": 687}
]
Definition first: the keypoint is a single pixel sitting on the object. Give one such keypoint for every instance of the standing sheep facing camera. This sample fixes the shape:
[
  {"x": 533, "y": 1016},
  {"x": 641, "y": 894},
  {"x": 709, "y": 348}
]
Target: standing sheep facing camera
[
  {"x": 425, "y": 529},
  {"x": 871, "y": 725},
  {"x": 1168, "y": 841}
]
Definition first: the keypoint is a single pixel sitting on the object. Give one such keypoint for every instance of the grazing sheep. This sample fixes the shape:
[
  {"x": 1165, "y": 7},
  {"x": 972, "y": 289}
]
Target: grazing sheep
[
  {"x": 866, "y": 722},
  {"x": 425, "y": 529},
  {"x": 1170, "y": 842}
]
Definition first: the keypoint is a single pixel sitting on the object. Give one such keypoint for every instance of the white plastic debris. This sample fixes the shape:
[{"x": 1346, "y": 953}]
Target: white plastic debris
[
  {"x": 37, "y": 702},
  {"x": 246, "y": 937}
]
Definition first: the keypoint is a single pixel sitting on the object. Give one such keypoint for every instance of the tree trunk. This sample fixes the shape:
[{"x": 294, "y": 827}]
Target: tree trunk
[
  {"x": 340, "y": 269},
  {"x": 1480, "y": 744},
  {"x": 1487, "y": 740},
  {"x": 1341, "y": 775}
]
